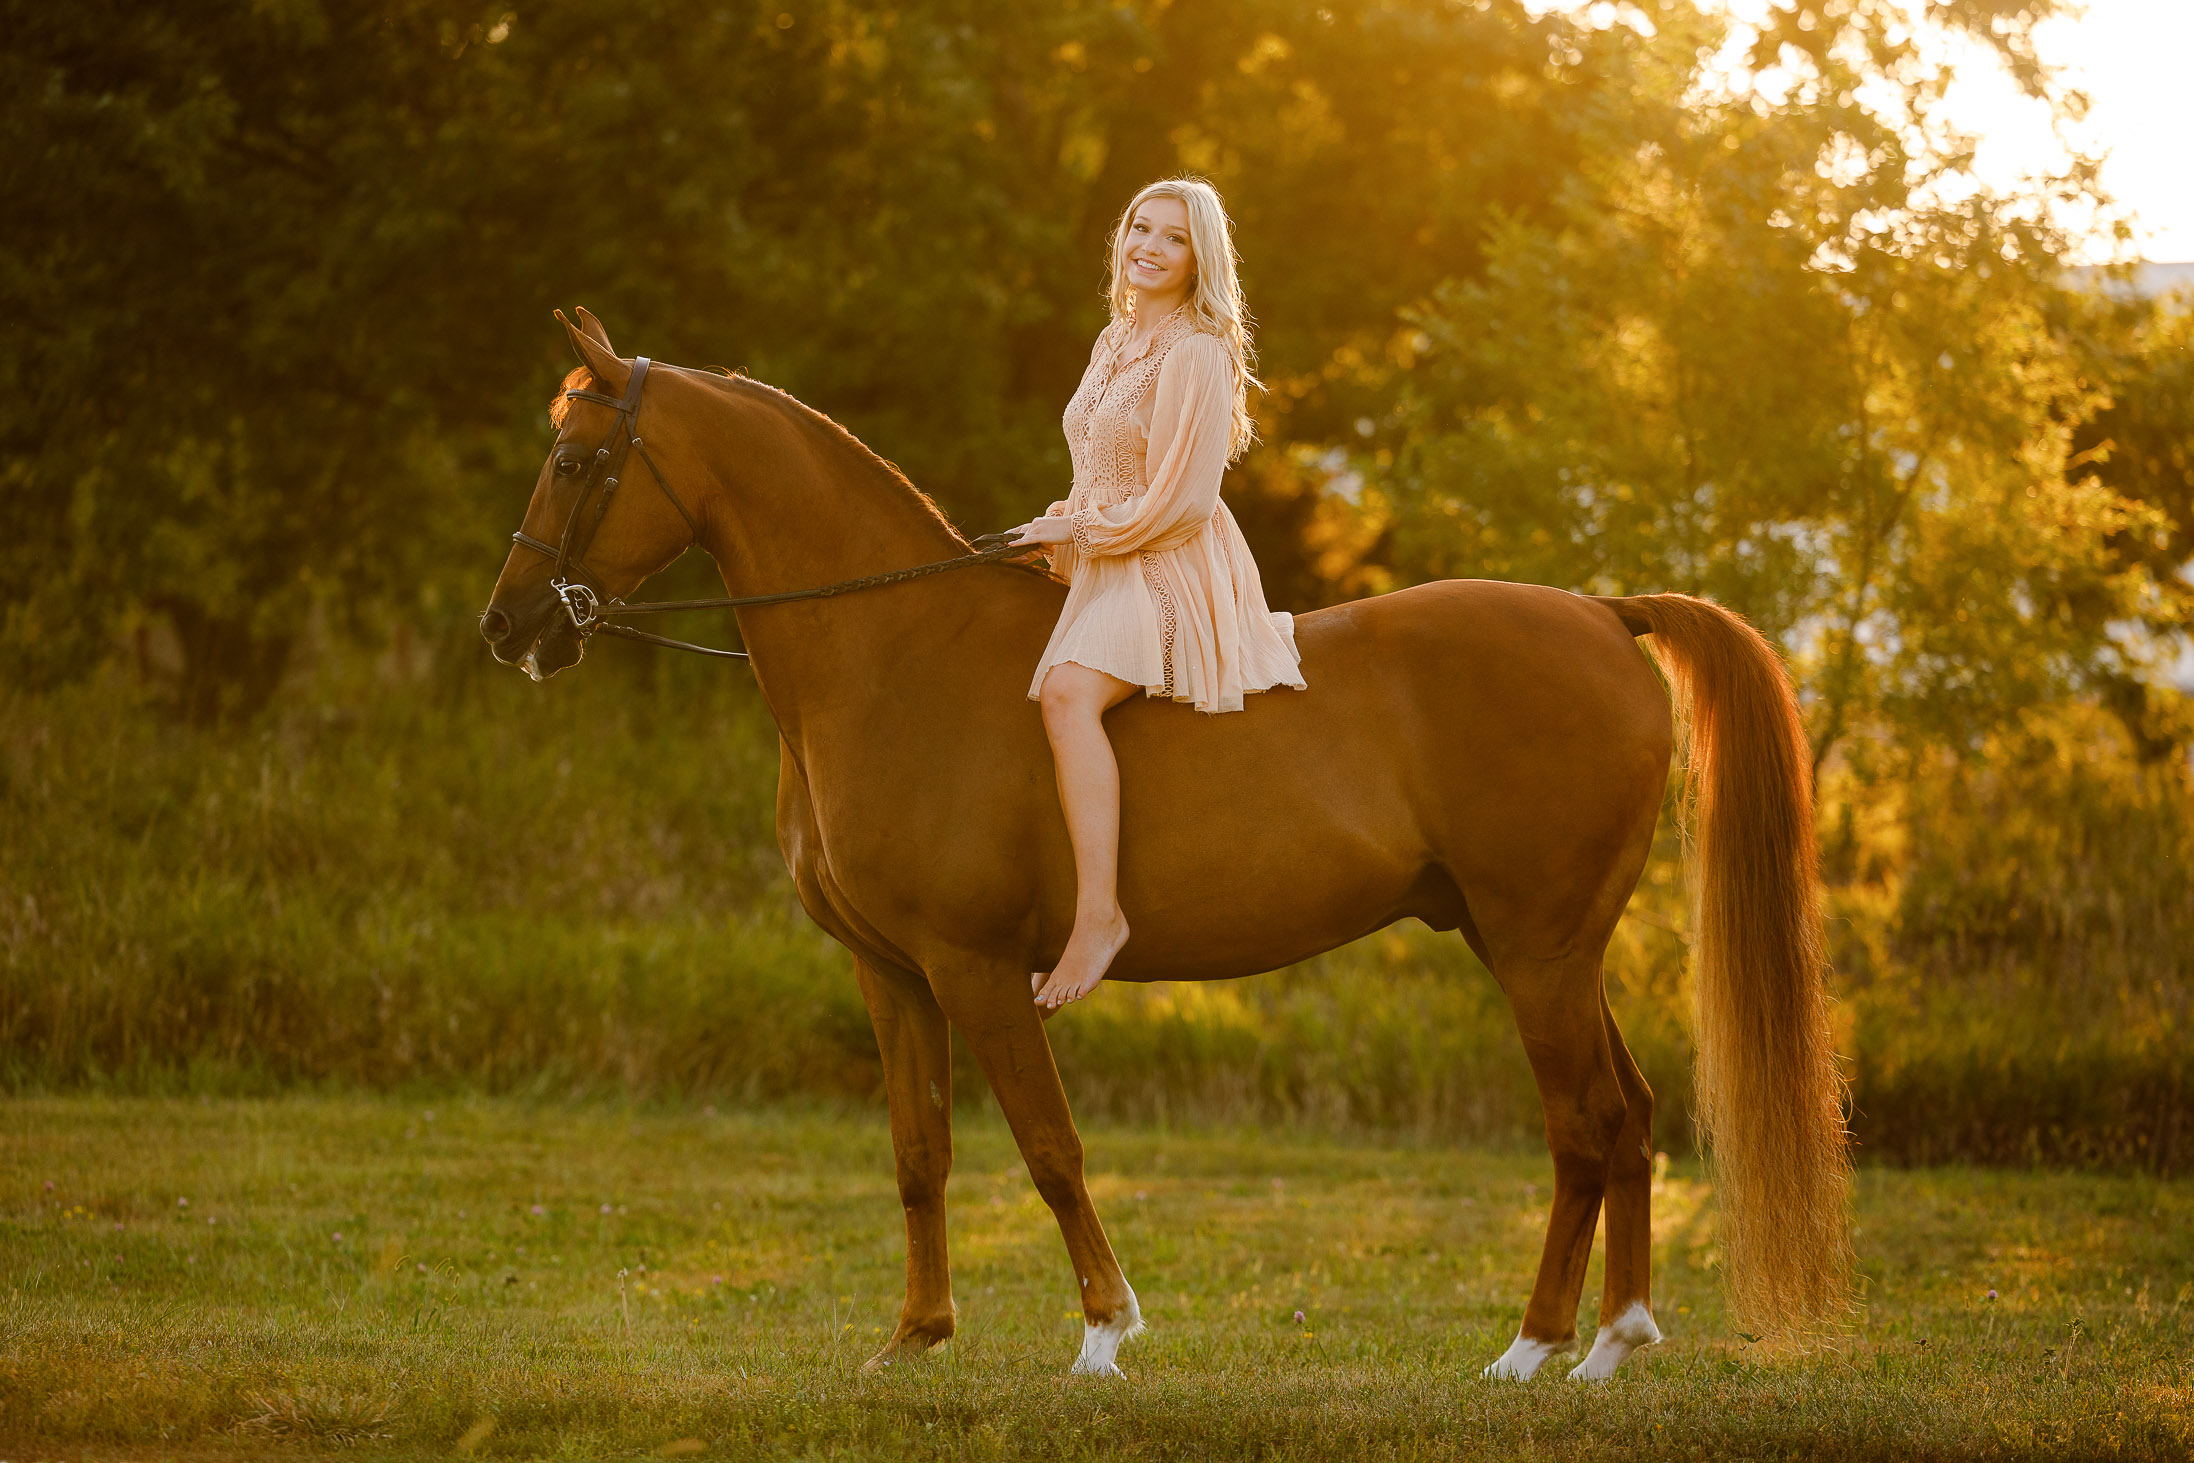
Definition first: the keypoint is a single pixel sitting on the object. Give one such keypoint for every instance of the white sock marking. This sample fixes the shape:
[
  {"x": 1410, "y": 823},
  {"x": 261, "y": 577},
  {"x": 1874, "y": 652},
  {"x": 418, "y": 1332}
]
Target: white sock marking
[
  {"x": 1101, "y": 1344},
  {"x": 1617, "y": 1339},
  {"x": 1523, "y": 1359}
]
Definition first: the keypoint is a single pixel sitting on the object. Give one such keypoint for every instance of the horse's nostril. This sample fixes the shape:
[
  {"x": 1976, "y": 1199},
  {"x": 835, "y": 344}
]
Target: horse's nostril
[{"x": 494, "y": 626}]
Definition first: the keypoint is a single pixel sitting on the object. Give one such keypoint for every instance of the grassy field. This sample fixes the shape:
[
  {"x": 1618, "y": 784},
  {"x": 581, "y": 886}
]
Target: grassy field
[{"x": 202, "y": 1278}]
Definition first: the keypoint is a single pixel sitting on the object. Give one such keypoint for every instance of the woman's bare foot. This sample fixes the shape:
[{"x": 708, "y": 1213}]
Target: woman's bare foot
[{"x": 1087, "y": 957}]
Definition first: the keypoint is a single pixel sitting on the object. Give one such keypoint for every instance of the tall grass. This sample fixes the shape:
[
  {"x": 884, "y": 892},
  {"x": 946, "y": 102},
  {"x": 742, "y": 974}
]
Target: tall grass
[
  {"x": 2014, "y": 949},
  {"x": 465, "y": 880}
]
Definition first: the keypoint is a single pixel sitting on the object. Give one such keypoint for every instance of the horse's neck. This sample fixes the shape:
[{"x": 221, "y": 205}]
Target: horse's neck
[{"x": 796, "y": 504}]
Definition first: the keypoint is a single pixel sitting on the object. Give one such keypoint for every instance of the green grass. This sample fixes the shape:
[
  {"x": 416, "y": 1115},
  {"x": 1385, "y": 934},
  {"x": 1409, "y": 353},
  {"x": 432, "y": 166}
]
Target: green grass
[{"x": 530, "y": 1280}]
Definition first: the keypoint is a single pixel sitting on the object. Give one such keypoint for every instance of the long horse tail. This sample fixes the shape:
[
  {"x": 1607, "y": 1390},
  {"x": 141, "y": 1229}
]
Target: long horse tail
[{"x": 1770, "y": 1096}]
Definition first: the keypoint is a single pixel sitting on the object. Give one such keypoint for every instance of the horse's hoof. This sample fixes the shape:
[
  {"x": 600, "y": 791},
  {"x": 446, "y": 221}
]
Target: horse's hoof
[
  {"x": 910, "y": 1347},
  {"x": 1522, "y": 1360},
  {"x": 1101, "y": 1341},
  {"x": 1615, "y": 1341}
]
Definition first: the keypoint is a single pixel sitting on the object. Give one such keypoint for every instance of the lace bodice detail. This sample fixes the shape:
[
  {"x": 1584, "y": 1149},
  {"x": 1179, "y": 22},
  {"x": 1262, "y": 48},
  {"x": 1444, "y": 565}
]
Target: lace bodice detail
[{"x": 1104, "y": 436}]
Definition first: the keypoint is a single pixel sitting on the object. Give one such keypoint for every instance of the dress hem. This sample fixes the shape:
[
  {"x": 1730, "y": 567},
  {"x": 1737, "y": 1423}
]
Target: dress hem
[{"x": 1158, "y": 693}]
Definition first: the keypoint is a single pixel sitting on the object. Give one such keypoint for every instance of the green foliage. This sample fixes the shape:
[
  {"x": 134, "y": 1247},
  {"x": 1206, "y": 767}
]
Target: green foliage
[
  {"x": 2020, "y": 988},
  {"x": 1762, "y": 352},
  {"x": 577, "y": 888},
  {"x": 281, "y": 275},
  {"x": 487, "y": 885},
  {"x": 281, "y": 272},
  {"x": 536, "y": 1280}
]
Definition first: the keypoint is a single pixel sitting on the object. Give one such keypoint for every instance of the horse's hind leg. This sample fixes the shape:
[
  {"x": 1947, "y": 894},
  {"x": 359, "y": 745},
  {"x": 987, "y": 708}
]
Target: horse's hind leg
[
  {"x": 915, "y": 1042},
  {"x": 1003, "y": 1029},
  {"x": 1626, "y": 1296},
  {"x": 1559, "y": 1012}
]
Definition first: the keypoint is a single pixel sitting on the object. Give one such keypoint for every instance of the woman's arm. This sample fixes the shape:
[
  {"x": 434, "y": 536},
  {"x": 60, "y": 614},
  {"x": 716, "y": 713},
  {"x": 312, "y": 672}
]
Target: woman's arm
[{"x": 1191, "y": 422}]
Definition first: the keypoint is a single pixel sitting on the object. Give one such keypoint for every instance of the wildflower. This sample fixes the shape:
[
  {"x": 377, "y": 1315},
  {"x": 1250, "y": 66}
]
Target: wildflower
[
  {"x": 1298, "y": 1318},
  {"x": 1992, "y": 1295},
  {"x": 337, "y": 1236},
  {"x": 605, "y": 1209},
  {"x": 182, "y": 1203},
  {"x": 538, "y": 1211}
]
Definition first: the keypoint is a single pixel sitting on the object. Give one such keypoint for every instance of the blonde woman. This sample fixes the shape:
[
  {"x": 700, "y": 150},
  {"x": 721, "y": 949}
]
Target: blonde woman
[{"x": 1164, "y": 596}]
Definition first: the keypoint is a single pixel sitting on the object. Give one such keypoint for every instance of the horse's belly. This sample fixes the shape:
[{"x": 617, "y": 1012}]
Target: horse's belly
[{"x": 1251, "y": 846}]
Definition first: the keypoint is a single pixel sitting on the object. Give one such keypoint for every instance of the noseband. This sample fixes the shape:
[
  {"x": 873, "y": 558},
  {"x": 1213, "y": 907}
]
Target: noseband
[{"x": 590, "y": 610}]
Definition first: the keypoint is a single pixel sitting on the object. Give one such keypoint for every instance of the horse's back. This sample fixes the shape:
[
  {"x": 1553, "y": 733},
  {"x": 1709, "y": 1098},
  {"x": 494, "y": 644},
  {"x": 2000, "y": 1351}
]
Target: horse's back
[
  {"x": 1460, "y": 734},
  {"x": 1471, "y": 666},
  {"x": 1483, "y": 638}
]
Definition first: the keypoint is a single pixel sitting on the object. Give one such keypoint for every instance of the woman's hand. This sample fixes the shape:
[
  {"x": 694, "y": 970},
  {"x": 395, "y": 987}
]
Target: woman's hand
[{"x": 1044, "y": 531}]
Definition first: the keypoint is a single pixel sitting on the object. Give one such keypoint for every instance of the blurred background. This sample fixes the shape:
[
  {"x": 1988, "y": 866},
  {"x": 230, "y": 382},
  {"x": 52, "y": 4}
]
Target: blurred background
[{"x": 1829, "y": 309}]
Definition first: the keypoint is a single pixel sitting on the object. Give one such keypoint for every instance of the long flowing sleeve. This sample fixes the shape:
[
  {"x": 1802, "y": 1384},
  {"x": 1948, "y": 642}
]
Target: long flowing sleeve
[{"x": 1191, "y": 424}]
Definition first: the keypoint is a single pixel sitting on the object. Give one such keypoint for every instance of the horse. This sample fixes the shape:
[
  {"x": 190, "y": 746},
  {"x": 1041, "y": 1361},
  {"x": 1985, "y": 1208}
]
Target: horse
[{"x": 1489, "y": 758}]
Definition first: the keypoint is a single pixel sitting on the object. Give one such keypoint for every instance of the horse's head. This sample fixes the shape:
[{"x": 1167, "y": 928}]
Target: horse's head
[{"x": 586, "y": 525}]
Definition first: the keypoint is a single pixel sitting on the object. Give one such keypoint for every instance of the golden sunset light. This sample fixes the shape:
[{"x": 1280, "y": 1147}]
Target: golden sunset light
[{"x": 1064, "y": 730}]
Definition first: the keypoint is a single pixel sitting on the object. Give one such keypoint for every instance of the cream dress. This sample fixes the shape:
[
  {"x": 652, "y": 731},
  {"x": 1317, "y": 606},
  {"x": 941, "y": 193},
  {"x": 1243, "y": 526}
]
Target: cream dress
[{"x": 1163, "y": 591}]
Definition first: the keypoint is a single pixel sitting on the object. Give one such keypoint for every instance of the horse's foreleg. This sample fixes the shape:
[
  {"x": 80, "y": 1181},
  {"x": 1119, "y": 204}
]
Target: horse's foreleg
[
  {"x": 1558, "y": 1013},
  {"x": 912, "y": 1035},
  {"x": 1626, "y": 1296},
  {"x": 1003, "y": 1029}
]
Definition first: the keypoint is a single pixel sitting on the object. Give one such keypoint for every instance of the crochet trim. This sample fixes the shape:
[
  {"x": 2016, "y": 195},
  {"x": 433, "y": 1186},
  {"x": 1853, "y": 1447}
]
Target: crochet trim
[{"x": 1168, "y": 619}]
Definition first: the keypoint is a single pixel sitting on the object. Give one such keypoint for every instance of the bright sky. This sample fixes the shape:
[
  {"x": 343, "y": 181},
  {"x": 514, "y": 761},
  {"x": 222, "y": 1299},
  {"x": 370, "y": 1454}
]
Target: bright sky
[{"x": 2131, "y": 57}]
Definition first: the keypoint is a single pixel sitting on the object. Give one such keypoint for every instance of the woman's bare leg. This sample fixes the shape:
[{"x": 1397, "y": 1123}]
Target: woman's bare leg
[{"x": 1075, "y": 700}]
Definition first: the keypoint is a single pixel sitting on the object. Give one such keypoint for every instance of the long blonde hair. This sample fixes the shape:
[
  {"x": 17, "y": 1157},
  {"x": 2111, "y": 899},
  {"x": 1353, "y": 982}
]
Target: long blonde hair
[{"x": 1215, "y": 301}]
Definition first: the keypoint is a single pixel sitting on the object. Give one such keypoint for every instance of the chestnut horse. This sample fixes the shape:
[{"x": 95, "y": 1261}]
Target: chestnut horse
[{"x": 1485, "y": 757}]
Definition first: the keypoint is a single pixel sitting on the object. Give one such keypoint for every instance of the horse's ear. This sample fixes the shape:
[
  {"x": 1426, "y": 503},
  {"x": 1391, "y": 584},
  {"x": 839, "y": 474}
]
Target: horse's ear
[
  {"x": 610, "y": 373},
  {"x": 593, "y": 327}
]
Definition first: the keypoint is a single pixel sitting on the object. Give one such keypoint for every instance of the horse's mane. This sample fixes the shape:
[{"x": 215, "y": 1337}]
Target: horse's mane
[{"x": 878, "y": 469}]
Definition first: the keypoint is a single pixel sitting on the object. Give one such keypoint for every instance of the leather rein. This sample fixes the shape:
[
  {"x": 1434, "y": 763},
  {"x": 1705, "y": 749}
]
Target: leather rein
[{"x": 579, "y": 593}]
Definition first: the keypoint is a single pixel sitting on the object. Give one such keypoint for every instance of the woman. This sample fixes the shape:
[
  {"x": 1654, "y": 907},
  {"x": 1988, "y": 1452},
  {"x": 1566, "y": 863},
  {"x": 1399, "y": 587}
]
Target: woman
[{"x": 1164, "y": 596}]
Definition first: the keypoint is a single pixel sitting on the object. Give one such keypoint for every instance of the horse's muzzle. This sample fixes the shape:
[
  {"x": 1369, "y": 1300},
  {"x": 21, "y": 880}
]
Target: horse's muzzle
[{"x": 535, "y": 634}]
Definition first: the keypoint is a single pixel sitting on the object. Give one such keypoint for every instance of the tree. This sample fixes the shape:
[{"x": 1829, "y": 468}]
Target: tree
[
  {"x": 1768, "y": 351},
  {"x": 281, "y": 273}
]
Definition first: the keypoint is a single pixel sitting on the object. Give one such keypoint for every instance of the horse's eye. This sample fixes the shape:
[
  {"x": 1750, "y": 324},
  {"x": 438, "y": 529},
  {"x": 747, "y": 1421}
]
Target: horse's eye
[{"x": 567, "y": 467}]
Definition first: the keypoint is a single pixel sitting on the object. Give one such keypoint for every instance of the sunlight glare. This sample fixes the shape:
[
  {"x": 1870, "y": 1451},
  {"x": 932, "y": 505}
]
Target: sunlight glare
[{"x": 2127, "y": 56}]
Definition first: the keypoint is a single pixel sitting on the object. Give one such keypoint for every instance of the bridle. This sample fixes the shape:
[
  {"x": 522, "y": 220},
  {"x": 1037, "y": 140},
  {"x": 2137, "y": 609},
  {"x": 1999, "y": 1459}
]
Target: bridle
[{"x": 580, "y": 594}]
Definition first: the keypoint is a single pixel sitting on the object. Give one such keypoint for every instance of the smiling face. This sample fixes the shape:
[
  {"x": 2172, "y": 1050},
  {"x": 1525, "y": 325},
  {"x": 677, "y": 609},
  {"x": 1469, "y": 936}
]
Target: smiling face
[{"x": 1161, "y": 263}]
